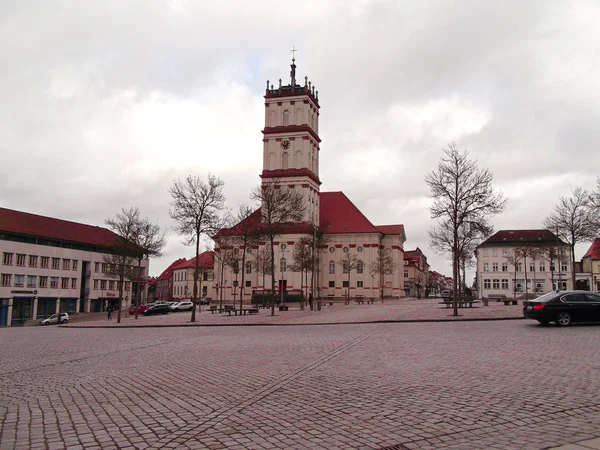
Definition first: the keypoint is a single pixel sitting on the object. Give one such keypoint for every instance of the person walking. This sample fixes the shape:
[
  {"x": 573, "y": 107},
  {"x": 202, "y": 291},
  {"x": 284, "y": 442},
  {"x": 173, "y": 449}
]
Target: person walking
[{"x": 109, "y": 309}]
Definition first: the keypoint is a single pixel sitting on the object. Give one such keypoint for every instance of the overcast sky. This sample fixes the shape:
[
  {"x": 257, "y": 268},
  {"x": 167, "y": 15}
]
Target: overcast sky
[{"x": 105, "y": 103}]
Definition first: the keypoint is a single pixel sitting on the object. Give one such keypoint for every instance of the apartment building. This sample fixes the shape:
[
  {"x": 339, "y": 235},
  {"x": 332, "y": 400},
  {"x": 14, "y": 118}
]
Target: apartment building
[
  {"x": 591, "y": 264},
  {"x": 51, "y": 265},
  {"x": 183, "y": 277},
  {"x": 518, "y": 262}
]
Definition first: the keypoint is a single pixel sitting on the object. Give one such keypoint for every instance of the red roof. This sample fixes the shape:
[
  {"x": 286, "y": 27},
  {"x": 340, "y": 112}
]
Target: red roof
[
  {"x": 594, "y": 250},
  {"x": 391, "y": 229},
  {"x": 205, "y": 259},
  {"x": 49, "y": 227},
  {"x": 522, "y": 237},
  {"x": 339, "y": 215},
  {"x": 166, "y": 274}
]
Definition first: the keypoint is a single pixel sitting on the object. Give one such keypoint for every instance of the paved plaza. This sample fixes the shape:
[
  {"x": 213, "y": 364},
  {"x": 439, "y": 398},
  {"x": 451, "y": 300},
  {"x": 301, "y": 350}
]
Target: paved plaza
[{"x": 463, "y": 385}]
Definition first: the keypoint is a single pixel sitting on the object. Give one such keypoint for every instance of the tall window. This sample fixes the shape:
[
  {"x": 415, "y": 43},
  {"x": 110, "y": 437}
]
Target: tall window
[
  {"x": 56, "y": 263},
  {"x": 248, "y": 267},
  {"x": 504, "y": 252},
  {"x": 95, "y": 285},
  {"x": 486, "y": 267},
  {"x": 496, "y": 284},
  {"x": 44, "y": 262},
  {"x": 563, "y": 267},
  {"x": 19, "y": 280},
  {"x": 359, "y": 266},
  {"x": 505, "y": 284},
  {"x": 504, "y": 267},
  {"x": 495, "y": 267},
  {"x": 20, "y": 260},
  {"x": 75, "y": 264},
  {"x": 485, "y": 252},
  {"x": 43, "y": 282},
  {"x": 96, "y": 267},
  {"x": 494, "y": 252},
  {"x": 532, "y": 267},
  {"x": 286, "y": 117},
  {"x": 345, "y": 267},
  {"x": 73, "y": 283},
  {"x": 6, "y": 279},
  {"x": 359, "y": 284},
  {"x": 331, "y": 267},
  {"x": 285, "y": 160},
  {"x": 519, "y": 267},
  {"x": 406, "y": 274},
  {"x": 31, "y": 281},
  {"x": 33, "y": 261},
  {"x": 282, "y": 265},
  {"x": 487, "y": 284},
  {"x": 542, "y": 266},
  {"x": 103, "y": 285},
  {"x": 64, "y": 283},
  {"x": 54, "y": 282},
  {"x": 66, "y": 264},
  {"x": 7, "y": 259}
]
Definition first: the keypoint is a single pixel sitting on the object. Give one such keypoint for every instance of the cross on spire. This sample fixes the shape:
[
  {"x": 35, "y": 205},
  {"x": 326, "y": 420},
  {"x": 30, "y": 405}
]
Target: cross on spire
[{"x": 294, "y": 50}]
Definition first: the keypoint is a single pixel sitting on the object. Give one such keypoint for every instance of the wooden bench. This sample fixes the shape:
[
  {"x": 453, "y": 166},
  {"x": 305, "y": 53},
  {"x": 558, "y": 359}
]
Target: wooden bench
[
  {"x": 370, "y": 301},
  {"x": 359, "y": 301},
  {"x": 250, "y": 310}
]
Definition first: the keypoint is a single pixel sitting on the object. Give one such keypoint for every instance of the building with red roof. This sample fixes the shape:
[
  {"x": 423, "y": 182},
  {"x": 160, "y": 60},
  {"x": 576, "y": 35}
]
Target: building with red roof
[
  {"x": 291, "y": 150},
  {"x": 591, "y": 263},
  {"x": 53, "y": 265},
  {"x": 183, "y": 277},
  {"x": 416, "y": 274},
  {"x": 518, "y": 263},
  {"x": 164, "y": 282}
]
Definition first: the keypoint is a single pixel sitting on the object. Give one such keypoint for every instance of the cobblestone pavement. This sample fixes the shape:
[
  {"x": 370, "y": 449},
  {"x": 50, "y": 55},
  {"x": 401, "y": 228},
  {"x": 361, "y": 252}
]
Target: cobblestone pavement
[
  {"x": 395, "y": 310},
  {"x": 462, "y": 385}
]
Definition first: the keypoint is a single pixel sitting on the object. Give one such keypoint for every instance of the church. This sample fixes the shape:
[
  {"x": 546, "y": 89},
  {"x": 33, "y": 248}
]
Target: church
[{"x": 291, "y": 151}]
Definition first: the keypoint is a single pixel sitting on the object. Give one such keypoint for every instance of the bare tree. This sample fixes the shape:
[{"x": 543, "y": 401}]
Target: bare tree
[
  {"x": 515, "y": 257},
  {"x": 574, "y": 220},
  {"x": 349, "y": 263},
  {"x": 303, "y": 260},
  {"x": 146, "y": 235},
  {"x": 317, "y": 243},
  {"x": 279, "y": 206},
  {"x": 382, "y": 265},
  {"x": 262, "y": 263},
  {"x": 124, "y": 252},
  {"x": 463, "y": 194},
  {"x": 197, "y": 208},
  {"x": 224, "y": 257}
]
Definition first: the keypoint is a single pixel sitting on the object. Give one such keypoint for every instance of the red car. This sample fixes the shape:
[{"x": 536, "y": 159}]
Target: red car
[{"x": 140, "y": 309}]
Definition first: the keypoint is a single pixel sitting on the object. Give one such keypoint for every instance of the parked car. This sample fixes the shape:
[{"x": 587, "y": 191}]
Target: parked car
[
  {"x": 140, "y": 309},
  {"x": 54, "y": 318},
  {"x": 204, "y": 301},
  {"x": 182, "y": 306},
  {"x": 157, "y": 309},
  {"x": 564, "y": 307},
  {"x": 446, "y": 294}
]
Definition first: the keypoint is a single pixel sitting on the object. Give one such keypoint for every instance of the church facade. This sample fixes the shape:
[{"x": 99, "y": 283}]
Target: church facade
[{"x": 291, "y": 151}]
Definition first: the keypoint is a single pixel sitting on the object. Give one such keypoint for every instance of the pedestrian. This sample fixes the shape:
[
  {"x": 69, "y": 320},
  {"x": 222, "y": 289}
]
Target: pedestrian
[
  {"x": 109, "y": 309},
  {"x": 310, "y": 301}
]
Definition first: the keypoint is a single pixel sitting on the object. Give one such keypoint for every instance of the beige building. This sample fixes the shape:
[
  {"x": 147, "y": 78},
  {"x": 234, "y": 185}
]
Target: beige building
[
  {"x": 416, "y": 274},
  {"x": 183, "y": 278},
  {"x": 516, "y": 262},
  {"x": 52, "y": 265},
  {"x": 291, "y": 151}
]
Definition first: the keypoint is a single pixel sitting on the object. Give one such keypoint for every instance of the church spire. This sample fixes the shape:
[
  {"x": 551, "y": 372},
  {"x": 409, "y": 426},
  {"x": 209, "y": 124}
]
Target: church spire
[{"x": 293, "y": 66}]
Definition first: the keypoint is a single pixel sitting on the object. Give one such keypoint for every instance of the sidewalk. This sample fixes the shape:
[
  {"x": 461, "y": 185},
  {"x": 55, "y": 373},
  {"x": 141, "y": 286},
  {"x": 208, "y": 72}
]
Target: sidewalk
[{"x": 392, "y": 310}]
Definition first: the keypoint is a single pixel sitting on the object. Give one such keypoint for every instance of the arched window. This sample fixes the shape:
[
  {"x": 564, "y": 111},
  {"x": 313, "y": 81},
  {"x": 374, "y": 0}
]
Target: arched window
[
  {"x": 284, "y": 160},
  {"x": 345, "y": 266},
  {"x": 332, "y": 266},
  {"x": 249, "y": 267},
  {"x": 359, "y": 266},
  {"x": 282, "y": 265},
  {"x": 286, "y": 117}
]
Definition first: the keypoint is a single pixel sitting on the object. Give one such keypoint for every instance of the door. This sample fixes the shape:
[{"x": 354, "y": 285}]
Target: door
[
  {"x": 3, "y": 312},
  {"x": 22, "y": 310}
]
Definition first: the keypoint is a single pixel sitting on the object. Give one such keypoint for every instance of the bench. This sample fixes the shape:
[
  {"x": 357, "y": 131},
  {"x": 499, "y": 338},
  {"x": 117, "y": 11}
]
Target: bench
[
  {"x": 213, "y": 309},
  {"x": 510, "y": 301},
  {"x": 370, "y": 301},
  {"x": 250, "y": 311},
  {"x": 359, "y": 301},
  {"x": 283, "y": 307}
]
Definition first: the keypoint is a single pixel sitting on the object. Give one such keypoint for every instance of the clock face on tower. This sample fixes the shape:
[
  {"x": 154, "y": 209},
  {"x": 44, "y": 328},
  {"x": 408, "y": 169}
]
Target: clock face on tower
[{"x": 285, "y": 144}]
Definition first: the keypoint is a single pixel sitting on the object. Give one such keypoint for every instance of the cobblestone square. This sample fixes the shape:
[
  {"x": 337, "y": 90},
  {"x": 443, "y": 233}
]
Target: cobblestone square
[{"x": 453, "y": 385}]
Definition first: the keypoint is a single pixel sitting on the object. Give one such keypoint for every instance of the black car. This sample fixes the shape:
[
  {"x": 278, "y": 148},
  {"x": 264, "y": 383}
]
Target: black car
[
  {"x": 564, "y": 307},
  {"x": 157, "y": 309}
]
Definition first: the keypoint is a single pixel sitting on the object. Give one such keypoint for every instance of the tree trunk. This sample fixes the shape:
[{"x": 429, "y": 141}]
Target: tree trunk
[
  {"x": 573, "y": 263},
  {"x": 455, "y": 272},
  {"x": 137, "y": 302},
  {"x": 122, "y": 282},
  {"x": 525, "y": 269},
  {"x": 272, "y": 278},
  {"x": 243, "y": 277},
  {"x": 195, "y": 288}
]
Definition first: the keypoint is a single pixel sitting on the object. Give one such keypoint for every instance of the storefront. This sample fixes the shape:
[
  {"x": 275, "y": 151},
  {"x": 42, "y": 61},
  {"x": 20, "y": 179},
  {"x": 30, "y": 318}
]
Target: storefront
[
  {"x": 46, "y": 306},
  {"x": 4, "y": 302},
  {"x": 68, "y": 305},
  {"x": 22, "y": 310}
]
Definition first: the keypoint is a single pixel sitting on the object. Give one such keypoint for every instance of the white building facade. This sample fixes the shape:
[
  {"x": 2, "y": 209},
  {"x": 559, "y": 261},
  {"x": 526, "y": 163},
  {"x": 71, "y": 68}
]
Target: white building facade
[
  {"x": 50, "y": 265},
  {"x": 514, "y": 263}
]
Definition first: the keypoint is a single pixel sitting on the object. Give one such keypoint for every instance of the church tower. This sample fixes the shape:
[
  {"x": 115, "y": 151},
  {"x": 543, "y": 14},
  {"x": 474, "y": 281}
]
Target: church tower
[{"x": 291, "y": 140}]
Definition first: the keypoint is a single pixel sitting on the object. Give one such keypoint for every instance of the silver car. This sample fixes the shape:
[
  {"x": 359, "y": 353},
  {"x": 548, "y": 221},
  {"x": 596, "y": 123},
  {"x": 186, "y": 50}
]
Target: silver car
[{"x": 54, "y": 318}]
